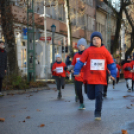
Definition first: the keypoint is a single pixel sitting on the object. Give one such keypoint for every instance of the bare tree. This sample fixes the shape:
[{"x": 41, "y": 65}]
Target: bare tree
[
  {"x": 6, "y": 21},
  {"x": 123, "y": 5}
]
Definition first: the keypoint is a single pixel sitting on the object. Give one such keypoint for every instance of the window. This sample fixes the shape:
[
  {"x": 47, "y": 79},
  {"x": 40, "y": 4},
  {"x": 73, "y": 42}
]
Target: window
[
  {"x": 23, "y": 43},
  {"x": 90, "y": 2},
  {"x": 73, "y": 16},
  {"x": 91, "y": 24},
  {"x": 61, "y": 13}
]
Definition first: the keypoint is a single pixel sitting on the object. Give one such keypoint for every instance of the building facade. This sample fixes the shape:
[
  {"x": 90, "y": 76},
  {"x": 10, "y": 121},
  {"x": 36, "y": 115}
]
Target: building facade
[{"x": 83, "y": 23}]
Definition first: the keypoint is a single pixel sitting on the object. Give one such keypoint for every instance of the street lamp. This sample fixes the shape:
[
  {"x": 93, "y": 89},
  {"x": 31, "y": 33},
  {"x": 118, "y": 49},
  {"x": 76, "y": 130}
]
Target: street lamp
[{"x": 53, "y": 29}]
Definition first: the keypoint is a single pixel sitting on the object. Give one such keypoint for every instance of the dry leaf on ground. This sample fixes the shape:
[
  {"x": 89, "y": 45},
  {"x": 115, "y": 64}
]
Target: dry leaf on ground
[
  {"x": 24, "y": 108},
  {"x": 132, "y": 105},
  {"x": 2, "y": 119},
  {"x": 128, "y": 107},
  {"x": 28, "y": 117},
  {"x": 41, "y": 125},
  {"x": 128, "y": 96},
  {"x": 29, "y": 95},
  {"x": 124, "y": 132},
  {"x": 24, "y": 121},
  {"x": 38, "y": 110},
  {"x": 13, "y": 115}
]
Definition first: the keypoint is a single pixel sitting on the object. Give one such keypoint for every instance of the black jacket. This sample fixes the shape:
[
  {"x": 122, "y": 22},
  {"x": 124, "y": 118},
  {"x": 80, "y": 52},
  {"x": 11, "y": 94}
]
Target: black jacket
[
  {"x": 3, "y": 63},
  {"x": 68, "y": 61}
]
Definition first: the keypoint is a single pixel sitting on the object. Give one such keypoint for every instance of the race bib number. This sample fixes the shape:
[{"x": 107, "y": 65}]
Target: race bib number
[
  {"x": 97, "y": 64},
  {"x": 59, "y": 69}
]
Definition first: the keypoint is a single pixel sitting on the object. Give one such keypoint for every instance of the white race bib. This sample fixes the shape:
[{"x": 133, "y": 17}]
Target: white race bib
[
  {"x": 59, "y": 69},
  {"x": 97, "y": 64}
]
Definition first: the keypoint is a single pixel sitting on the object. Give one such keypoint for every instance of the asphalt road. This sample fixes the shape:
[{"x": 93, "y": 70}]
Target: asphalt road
[{"x": 62, "y": 116}]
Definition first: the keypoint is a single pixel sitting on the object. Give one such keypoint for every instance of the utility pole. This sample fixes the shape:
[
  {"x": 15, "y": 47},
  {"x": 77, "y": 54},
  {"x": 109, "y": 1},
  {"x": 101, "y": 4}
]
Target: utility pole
[
  {"x": 44, "y": 66},
  {"x": 30, "y": 42},
  {"x": 109, "y": 26},
  {"x": 68, "y": 23}
]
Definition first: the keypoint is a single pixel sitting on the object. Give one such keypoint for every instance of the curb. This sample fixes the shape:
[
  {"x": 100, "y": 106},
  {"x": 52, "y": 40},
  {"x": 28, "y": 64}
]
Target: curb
[{"x": 13, "y": 92}]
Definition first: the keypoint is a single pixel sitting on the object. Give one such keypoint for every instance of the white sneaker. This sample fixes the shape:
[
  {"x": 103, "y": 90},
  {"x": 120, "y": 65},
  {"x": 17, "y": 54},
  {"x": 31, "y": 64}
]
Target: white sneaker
[
  {"x": 98, "y": 118},
  {"x": 129, "y": 90}
]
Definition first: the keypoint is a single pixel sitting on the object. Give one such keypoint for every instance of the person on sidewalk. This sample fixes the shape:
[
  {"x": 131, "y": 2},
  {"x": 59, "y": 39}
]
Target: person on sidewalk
[
  {"x": 118, "y": 68},
  {"x": 127, "y": 67},
  {"x": 81, "y": 45},
  {"x": 98, "y": 59},
  {"x": 133, "y": 72},
  {"x": 3, "y": 63},
  {"x": 60, "y": 70}
]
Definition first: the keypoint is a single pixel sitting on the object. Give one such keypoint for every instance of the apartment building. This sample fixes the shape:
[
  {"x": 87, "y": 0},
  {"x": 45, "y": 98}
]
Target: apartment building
[
  {"x": 102, "y": 25},
  {"x": 83, "y": 23}
]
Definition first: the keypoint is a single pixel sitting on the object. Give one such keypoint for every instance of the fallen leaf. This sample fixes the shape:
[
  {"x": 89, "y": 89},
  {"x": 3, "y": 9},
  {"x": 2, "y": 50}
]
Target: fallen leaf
[
  {"x": 29, "y": 95},
  {"x": 28, "y": 117},
  {"x": 2, "y": 119},
  {"x": 42, "y": 125},
  {"x": 132, "y": 105},
  {"x": 13, "y": 115},
  {"x": 128, "y": 107},
  {"x": 124, "y": 132},
  {"x": 128, "y": 96},
  {"x": 24, "y": 108},
  {"x": 38, "y": 110},
  {"x": 24, "y": 121}
]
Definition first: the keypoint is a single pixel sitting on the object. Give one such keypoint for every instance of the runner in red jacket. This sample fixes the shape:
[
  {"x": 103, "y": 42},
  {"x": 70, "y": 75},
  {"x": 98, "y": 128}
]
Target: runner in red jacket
[
  {"x": 97, "y": 58},
  {"x": 60, "y": 70},
  {"x": 118, "y": 68},
  {"x": 81, "y": 45},
  {"x": 127, "y": 67}
]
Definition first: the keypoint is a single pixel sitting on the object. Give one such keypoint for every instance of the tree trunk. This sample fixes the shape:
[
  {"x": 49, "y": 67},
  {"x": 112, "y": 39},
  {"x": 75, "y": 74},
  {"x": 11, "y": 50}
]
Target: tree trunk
[
  {"x": 115, "y": 43},
  {"x": 70, "y": 30},
  {"x": 8, "y": 32},
  {"x": 129, "y": 51}
]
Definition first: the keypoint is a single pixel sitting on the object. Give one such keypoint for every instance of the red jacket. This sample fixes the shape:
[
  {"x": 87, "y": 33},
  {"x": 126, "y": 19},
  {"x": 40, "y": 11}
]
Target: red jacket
[
  {"x": 60, "y": 71},
  {"x": 97, "y": 60},
  {"x": 132, "y": 64},
  {"x": 118, "y": 70},
  {"x": 127, "y": 74},
  {"x": 75, "y": 59}
]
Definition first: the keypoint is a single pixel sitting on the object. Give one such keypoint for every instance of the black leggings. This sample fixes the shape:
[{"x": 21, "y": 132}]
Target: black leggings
[
  {"x": 1, "y": 83},
  {"x": 78, "y": 86},
  {"x": 60, "y": 81},
  {"x": 117, "y": 80},
  {"x": 132, "y": 84},
  {"x": 106, "y": 86}
]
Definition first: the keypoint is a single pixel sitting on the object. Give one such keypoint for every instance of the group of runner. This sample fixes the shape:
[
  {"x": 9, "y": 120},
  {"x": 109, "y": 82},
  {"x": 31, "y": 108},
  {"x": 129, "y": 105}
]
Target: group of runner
[{"x": 90, "y": 66}]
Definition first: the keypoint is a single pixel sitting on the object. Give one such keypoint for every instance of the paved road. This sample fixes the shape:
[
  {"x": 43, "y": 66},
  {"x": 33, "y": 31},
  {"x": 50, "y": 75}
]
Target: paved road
[{"x": 62, "y": 116}]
